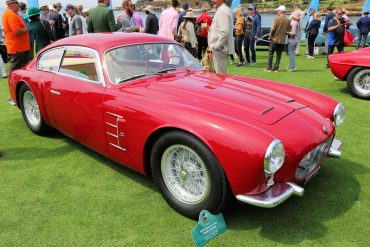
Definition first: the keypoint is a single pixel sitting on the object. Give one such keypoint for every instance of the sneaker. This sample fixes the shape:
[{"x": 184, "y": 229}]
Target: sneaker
[
  {"x": 239, "y": 65},
  {"x": 275, "y": 70},
  {"x": 253, "y": 63},
  {"x": 310, "y": 57},
  {"x": 231, "y": 61},
  {"x": 4, "y": 75},
  {"x": 267, "y": 70},
  {"x": 291, "y": 69}
]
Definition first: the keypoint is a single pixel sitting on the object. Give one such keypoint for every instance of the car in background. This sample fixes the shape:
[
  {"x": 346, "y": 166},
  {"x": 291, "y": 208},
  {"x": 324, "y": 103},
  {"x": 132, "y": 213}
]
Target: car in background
[
  {"x": 353, "y": 67},
  {"x": 145, "y": 102}
]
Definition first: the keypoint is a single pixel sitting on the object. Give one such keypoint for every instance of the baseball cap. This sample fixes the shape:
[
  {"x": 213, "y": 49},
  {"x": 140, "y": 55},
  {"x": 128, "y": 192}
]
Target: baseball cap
[
  {"x": 252, "y": 7},
  {"x": 70, "y": 6},
  {"x": 281, "y": 8}
]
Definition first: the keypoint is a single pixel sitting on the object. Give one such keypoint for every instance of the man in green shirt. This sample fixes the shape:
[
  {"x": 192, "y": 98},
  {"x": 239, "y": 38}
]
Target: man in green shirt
[{"x": 101, "y": 19}]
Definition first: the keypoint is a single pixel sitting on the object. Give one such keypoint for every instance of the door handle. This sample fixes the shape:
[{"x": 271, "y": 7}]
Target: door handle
[{"x": 54, "y": 92}]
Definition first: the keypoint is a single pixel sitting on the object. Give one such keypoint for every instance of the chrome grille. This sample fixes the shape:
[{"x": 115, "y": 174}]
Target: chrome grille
[{"x": 313, "y": 159}]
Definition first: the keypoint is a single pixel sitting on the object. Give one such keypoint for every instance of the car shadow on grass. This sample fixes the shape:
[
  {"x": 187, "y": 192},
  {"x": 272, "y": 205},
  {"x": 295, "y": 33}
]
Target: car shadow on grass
[
  {"x": 125, "y": 171},
  {"x": 328, "y": 196}
]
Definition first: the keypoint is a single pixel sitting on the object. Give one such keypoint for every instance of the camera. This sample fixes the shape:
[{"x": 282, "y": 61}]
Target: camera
[{"x": 342, "y": 20}]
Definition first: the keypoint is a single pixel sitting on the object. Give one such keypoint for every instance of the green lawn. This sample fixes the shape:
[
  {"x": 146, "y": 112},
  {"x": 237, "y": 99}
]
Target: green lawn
[{"x": 56, "y": 192}]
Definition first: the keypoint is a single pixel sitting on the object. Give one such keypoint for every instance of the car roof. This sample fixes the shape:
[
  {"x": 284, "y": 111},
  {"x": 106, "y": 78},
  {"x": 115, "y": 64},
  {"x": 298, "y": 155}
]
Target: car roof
[{"x": 105, "y": 41}]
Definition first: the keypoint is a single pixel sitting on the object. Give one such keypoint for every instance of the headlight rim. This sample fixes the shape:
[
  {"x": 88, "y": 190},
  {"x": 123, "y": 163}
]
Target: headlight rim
[
  {"x": 338, "y": 108},
  {"x": 267, "y": 158}
]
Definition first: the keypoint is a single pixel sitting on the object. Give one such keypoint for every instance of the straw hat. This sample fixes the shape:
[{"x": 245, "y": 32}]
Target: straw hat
[
  {"x": 149, "y": 8},
  {"x": 296, "y": 15},
  {"x": 190, "y": 15},
  {"x": 11, "y": 1}
]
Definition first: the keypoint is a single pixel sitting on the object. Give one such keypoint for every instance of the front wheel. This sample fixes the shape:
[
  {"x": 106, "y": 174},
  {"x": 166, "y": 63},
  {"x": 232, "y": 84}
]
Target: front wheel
[
  {"x": 188, "y": 175},
  {"x": 31, "y": 111},
  {"x": 358, "y": 81}
]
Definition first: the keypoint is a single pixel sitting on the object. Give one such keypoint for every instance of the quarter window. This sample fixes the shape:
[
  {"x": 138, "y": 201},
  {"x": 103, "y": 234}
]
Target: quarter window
[
  {"x": 50, "y": 60},
  {"x": 81, "y": 63}
]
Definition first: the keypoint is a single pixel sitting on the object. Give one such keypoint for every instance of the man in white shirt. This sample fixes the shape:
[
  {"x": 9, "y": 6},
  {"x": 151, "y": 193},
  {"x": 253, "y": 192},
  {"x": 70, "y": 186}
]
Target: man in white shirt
[{"x": 220, "y": 36}]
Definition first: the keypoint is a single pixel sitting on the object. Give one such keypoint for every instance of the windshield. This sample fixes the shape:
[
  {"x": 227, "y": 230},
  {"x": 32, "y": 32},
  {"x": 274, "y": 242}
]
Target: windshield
[{"x": 135, "y": 61}]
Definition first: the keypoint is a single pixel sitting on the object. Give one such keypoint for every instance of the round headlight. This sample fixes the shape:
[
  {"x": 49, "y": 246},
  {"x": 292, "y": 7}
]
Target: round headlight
[
  {"x": 338, "y": 114},
  {"x": 274, "y": 157}
]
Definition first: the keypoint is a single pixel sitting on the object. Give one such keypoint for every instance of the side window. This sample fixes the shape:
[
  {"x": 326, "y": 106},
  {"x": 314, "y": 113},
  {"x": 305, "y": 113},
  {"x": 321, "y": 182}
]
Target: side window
[
  {"x": 50, "y": 60},
  {"x": 81, "y": 63}
]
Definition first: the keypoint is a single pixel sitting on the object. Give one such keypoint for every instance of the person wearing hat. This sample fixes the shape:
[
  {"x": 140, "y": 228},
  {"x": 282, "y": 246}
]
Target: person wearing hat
[
  {"x": 151, "y": 23},
  {"x": 16, "y": 36},
  {"x": 294, "y": 38},
  {"x": 251, "y": 37},
  {"x": 45, "y": 12},
  {"x": 363, "y": 25},
  {"x": 75, "y": 23},
  {"x": 278, "y": 32},
  {"x": 187, "y": 31},
  {"x": 183, "y": 11},
  {"x": 39, "y": 30},
  {"x": 101, "y": 19}
]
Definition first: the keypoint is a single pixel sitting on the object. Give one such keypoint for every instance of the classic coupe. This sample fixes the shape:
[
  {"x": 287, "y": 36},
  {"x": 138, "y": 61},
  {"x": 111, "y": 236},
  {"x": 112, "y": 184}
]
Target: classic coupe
[
  {"x": 353, "y": 67},
  {"x": 146, "y": 103}
]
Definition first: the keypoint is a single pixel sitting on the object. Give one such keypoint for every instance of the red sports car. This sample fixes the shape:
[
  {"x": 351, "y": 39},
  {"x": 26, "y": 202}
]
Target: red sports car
[
  {"x": 146, "y": 103},
  {"x": 354, "y": 67}
]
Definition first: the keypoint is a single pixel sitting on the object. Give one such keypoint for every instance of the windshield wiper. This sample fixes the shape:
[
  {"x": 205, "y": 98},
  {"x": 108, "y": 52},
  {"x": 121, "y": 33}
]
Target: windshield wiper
[
  {"x": 163, "y": 71},
  {"x": 133, "y": 77}
]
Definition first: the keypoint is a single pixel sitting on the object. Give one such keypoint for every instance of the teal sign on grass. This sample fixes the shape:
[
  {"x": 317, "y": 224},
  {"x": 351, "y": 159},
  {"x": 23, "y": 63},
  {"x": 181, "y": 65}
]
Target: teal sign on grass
[{"x": 209, "y": 226}]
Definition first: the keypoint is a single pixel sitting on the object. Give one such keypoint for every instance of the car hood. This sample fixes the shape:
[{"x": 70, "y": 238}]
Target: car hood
[{"x": 225, "y": 96}]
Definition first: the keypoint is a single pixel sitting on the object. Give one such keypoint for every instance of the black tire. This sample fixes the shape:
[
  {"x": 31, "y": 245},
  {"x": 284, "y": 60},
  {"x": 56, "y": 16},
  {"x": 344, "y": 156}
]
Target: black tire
[
  {"x": 218, "y": 195},
  {"x": 354, "y": 87},
  {"x": 39, "y": 127}
]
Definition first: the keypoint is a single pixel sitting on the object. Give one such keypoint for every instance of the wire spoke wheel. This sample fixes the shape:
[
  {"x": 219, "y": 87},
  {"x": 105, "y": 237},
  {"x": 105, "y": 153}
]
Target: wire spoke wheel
[
  {"x": 361, "y": 82},
  {"x": 185, "y": 174},
  {"x": 31, "y": 109}
]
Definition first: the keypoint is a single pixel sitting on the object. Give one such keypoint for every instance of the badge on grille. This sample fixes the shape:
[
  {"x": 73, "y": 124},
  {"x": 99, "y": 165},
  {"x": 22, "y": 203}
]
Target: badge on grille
[{"x": 326, "y": 132}]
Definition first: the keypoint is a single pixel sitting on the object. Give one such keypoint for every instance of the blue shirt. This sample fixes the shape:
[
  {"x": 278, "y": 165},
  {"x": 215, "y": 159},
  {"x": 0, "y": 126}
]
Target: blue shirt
[
  {"x": 256, "y": 25},
  {"x": 363, "y": 24}
]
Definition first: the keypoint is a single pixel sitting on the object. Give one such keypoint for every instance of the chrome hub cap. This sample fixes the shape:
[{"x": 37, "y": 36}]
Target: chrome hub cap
[
  {"x": 185, "y": 174},
  {"x": 361, "y": 82},
  {"x": 31, "y": 109}
]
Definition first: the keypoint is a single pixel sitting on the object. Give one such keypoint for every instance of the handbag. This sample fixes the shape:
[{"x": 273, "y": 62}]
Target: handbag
[{"x": 348, "y": 38}]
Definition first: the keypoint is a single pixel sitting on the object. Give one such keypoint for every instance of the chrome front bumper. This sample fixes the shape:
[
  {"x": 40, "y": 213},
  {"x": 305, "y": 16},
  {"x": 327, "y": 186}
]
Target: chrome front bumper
[
  {"x": 273, "y": 196},
  {"x": 334, "y": 149}
]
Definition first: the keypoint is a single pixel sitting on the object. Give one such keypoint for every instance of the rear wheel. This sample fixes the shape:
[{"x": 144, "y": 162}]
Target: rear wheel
[
  {"x": 188, "y": 175},
  {"x": 358, "y": 81},
  {"x": 31, "y": 111}
]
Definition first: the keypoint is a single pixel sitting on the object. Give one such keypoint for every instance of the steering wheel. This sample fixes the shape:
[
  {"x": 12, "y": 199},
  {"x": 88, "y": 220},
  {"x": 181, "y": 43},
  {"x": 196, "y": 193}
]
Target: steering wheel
[{"x": 167, "y": 60}]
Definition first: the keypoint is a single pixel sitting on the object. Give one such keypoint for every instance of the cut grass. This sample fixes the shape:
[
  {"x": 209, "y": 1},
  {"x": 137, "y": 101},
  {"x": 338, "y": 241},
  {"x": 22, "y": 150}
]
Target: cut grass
[{"x": 56, "y": 192}]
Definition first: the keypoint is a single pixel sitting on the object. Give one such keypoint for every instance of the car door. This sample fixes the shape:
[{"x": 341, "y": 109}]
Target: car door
[
  {"x": 47, "y": 66},
  {"x": 76, "y": 96}
]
